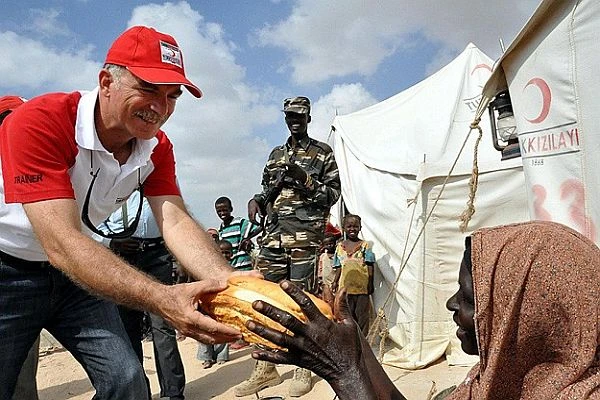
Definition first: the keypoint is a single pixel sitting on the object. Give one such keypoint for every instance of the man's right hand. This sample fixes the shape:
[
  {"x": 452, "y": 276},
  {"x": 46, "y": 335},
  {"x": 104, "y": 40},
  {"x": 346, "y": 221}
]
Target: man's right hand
[
  {"x": 180, "y": 308},
  {"x": 253, "y": 211}
]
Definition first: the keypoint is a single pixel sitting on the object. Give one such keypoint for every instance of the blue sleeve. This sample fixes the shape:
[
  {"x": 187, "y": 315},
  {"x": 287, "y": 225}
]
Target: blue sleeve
[
  {"x": 369, "y": 255},
  {"x": 336, "y": 262}
]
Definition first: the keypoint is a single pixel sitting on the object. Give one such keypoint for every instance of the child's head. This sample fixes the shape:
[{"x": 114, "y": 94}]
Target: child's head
[
  {"x": 328, "y": 245},
  {"x": 351, "y": 226},
  {"x": 223, "y": 208},
  {"x": 213, "y": 233},
  {"x": 226, "y": 249}
]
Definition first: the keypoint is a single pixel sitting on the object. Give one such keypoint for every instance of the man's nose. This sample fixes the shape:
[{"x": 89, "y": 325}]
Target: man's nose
[{"x": 160, "y": 105}]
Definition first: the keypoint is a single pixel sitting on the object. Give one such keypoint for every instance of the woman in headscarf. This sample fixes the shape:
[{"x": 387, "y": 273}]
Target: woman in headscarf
[
  {"x": 528, "y": 303},
  {"x": 535, "y": 294}
]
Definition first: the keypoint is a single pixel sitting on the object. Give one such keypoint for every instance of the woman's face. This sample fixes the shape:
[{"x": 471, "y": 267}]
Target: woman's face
[{"x": 462, "y": 304}]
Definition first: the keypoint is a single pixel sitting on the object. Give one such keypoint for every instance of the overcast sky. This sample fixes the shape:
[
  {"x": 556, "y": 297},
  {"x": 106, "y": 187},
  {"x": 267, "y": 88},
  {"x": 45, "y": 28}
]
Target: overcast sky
[{"x": 247, "y": 56}]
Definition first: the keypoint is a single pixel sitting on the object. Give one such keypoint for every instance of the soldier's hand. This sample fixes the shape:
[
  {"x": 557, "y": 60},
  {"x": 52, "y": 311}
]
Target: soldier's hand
[
  {"x": 295, "y": 172},
  {"x": 253, "y": 211}
]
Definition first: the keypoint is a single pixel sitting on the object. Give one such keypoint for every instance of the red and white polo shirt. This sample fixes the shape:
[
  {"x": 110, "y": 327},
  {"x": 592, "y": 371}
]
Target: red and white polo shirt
[{"x": 49, "y": 149}]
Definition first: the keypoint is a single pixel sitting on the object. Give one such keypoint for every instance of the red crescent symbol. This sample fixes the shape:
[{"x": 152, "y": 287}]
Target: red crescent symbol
[
  {"x": 484, "y": 66},
  {"x": 546, "y": 99}
]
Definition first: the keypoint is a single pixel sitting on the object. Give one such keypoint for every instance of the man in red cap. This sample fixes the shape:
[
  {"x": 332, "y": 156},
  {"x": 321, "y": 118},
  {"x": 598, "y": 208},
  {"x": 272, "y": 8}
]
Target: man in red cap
[{"x": 68, "y": 161}]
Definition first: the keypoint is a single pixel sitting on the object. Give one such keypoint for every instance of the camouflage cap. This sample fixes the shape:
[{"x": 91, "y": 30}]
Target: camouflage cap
[{"x": 298, "y": 104}]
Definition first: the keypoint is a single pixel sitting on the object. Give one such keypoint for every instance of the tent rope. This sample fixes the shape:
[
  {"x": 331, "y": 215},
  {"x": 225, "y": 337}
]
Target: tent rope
[
  {"x": 379, "y": 328},
  {"x": 380, "y": 325},
  {"x": 432, "y": 391},
  {"x": 473, "y": 181}
]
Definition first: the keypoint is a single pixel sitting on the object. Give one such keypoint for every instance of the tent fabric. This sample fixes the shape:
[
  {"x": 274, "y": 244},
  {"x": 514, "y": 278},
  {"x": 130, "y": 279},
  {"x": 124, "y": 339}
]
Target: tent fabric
[
  {"x": 441, "y": 108},
  {"x": 550, "y": 70},
  {"x": 393, "y": 159},
  {"x": 497, "y": 80}
]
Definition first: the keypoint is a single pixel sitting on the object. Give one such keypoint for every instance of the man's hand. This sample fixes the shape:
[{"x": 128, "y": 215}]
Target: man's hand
[
  {"x": 295, "y": 172},
  {"x": 180, "y": 309},
  {"x": 124, "y": 246},
  {"x": 253, "y": 211}
]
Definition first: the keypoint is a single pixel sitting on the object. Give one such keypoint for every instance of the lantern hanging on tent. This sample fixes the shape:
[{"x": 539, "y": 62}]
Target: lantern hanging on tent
[{"x": 504, "y": 129}]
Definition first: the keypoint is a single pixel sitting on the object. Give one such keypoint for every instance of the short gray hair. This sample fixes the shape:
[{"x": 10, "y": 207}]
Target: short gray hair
[{"x": 115, "y": 70}]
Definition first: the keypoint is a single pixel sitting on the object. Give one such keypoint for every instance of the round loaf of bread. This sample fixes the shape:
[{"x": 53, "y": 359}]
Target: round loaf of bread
[{"x": 233, "y": 306}]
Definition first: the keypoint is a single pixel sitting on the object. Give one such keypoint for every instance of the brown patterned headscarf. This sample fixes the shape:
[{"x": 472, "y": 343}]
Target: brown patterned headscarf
[{"x": 537, "y": 299}]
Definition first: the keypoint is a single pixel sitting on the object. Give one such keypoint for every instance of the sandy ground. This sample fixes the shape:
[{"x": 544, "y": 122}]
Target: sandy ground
[{"x": 60, "y": 377}]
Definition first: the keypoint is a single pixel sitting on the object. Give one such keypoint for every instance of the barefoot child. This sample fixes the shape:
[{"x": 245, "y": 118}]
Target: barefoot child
[
  {"x": 353, "y": 262},
  {"x": 326, "y": 273},
  {"x": 237, "y": 231}
]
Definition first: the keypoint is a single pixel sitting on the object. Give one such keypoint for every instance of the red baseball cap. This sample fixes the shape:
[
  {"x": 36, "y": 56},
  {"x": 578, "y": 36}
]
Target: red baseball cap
[
  {"x": 10, "y": 103},
  {"x": 152, "y": 56}
]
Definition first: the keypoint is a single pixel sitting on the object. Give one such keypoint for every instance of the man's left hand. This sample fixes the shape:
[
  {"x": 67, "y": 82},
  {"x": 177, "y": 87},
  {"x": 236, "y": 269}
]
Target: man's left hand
[{"x": 179, "y": 308}]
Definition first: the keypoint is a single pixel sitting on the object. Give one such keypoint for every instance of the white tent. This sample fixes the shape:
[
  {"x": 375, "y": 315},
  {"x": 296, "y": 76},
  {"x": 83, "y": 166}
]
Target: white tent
[
  {"x": 551, "y": 72},
  {"x": 394, "y": 158}
]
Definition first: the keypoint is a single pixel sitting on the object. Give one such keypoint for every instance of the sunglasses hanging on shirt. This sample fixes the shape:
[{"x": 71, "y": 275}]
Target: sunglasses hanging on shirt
[{"x": 85, "y": 218}]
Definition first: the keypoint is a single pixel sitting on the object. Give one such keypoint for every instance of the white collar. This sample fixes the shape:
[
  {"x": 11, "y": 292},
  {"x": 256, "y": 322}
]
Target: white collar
[{"x": 86, "y": 135}]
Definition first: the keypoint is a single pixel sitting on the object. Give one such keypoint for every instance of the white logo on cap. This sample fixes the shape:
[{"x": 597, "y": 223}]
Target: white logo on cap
[{"x": 170, "y": 54}]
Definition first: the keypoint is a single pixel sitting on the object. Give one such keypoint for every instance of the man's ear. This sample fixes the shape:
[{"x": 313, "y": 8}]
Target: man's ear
[
  {"x": 308, "y": 119},
  {"x": 105, "y": 79}
]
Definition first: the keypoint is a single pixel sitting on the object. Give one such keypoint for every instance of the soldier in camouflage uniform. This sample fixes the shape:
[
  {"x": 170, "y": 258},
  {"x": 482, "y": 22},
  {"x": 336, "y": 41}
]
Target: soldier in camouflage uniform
[{"x": 300, "y": 183}]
